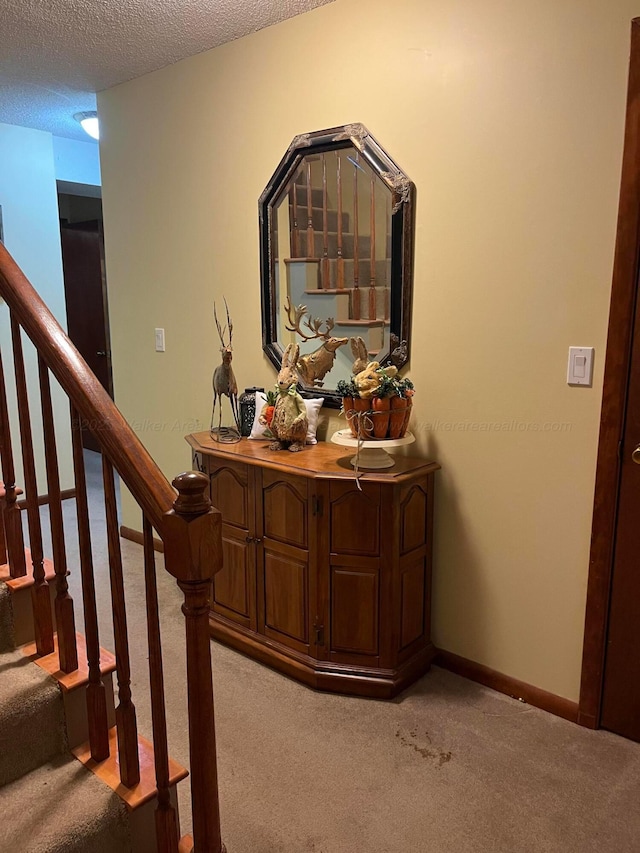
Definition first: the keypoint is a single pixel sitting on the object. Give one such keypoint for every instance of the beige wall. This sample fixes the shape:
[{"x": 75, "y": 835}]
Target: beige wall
[{"x": 509, "y": 118}]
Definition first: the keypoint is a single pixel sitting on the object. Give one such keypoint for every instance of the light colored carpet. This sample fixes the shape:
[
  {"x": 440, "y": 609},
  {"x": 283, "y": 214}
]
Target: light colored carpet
[
  {"x": 61, "y": 808},
  {"x": 49, "y": 802},
  {"x": 31, "y": 717},
  {"x": 448, "y": 767}
]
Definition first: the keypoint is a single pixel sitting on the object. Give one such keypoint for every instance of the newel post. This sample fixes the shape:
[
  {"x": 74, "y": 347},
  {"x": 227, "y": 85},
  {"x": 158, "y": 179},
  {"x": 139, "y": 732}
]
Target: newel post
[{"x": 193, "y": 554}]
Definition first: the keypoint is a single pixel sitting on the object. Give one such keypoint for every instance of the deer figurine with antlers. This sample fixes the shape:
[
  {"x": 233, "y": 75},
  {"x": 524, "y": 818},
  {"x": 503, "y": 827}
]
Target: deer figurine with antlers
[
  {"x": 314, "y": 366},
  {"x": 224, "y": 380}
]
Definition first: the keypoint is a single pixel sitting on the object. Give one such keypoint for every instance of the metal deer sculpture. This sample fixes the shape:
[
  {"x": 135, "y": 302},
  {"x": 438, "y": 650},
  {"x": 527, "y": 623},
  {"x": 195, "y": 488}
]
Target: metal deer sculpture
[
  {"x": 314, "y": 366},
  {"x": 224, "y": 380}
]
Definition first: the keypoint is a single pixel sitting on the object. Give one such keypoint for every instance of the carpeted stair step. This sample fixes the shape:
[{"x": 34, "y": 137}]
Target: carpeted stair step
[
  {"x": 60, "y": 808},
  {"x": 32, "y": 727}
]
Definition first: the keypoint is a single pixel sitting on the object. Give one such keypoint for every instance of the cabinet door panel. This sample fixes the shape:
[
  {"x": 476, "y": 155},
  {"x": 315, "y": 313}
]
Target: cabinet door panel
[
  {"x": 413, "y": 519},
  {"x": 412, "y": 595},
  {"x": 230, "y": 494},
  {"x": 234, "y": 585},
  {"x": 285, "y": 509},
  {"x": 354, "y": 519},
  {"x": 285, "y": 590},
  {"x": 354, "y": 610}
]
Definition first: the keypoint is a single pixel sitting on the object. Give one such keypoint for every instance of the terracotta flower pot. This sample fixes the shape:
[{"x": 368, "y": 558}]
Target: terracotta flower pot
[
  {"x": 363, "y": 423},
  {"x": 407, "y": 417},
  {"x": 381, "y": 408},
  {"x": 397, "y": 416},
  {"x": 347, "y": 407}
]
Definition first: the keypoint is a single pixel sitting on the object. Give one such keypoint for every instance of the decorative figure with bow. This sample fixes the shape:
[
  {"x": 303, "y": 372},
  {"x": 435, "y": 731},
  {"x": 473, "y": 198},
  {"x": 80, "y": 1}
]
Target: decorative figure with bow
[
  {"x": 289, "y": 423},
  {"x": 224, "y": 382}
]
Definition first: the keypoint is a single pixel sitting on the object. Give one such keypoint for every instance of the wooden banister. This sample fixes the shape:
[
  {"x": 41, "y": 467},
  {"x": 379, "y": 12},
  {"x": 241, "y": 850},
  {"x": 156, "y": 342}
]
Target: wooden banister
[
  {"x": 194, "y": 529},
  {"x": 189, "y": 527},
  {"x": 128, "y": 455}
]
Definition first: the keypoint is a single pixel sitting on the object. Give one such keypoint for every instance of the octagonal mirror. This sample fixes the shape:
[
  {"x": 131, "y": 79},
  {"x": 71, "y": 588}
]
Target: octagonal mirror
[{"x": 336, "y": 246}]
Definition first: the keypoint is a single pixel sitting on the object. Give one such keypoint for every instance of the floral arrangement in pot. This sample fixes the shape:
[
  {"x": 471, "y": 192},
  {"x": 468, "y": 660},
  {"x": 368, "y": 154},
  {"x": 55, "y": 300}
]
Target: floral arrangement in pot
[{"x": 377, "y": 402}]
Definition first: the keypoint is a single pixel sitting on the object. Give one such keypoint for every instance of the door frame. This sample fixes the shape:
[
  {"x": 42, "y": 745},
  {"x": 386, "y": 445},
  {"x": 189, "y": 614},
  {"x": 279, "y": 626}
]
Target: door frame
[{"x": 624, "y": 294}]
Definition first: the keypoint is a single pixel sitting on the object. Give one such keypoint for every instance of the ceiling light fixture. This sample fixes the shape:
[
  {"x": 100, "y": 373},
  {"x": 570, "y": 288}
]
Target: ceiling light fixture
[{"x": 89, "y": 122}]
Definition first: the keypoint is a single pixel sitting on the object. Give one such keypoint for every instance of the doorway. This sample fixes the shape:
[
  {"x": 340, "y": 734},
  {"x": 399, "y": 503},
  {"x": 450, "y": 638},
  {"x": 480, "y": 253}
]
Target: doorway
[
  {"x": 610, "y": 688},
  {"x": 85, "y": 286}
]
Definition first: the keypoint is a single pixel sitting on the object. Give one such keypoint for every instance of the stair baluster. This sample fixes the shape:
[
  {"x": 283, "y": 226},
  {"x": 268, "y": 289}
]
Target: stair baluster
[
  {"x": 193, "y": 554},
  {"x": 295, "y": 234},
  {"x": 14, "y": 538},
  {"x": 324, "y": 275},
  {"x": 4, "y": 559},
  {"x": 96, "y": 691},
  {"x": 125, "y": 712},
  {"x": 311, "y": 253},
  {"x": 355, "y": 306},
  {"x": 387, "y": 243},
  {"x": 65, "y": 619},
  {"x": 166, "y": 818},
  {"x": 40, "y": 598},
  {"x": 372, "y": 248},
  {"x": 340, "y": 261}
]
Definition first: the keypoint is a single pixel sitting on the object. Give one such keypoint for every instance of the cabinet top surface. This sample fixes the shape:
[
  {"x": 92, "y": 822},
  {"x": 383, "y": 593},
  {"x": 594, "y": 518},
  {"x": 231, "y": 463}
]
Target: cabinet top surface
[{"x": 318, "y": 460}]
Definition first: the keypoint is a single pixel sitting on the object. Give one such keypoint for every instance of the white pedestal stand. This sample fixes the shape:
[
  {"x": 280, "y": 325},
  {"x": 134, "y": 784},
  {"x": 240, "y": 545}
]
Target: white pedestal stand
[{"x": 373, "y": 453}]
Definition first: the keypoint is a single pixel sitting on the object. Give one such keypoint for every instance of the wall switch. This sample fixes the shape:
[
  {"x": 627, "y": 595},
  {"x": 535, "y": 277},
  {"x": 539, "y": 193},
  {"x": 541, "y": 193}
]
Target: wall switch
[
  {"x": 159, "y": 340},
  {"x": 580, "y": 367}
]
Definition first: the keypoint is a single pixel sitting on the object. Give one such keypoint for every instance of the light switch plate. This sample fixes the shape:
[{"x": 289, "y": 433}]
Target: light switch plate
[
  {"x": 159, "y": 340},
  {"x": 580, "y": 367}
]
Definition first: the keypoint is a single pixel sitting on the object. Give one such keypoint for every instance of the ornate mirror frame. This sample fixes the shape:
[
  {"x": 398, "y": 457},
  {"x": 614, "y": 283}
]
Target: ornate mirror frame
[{"x": 393, "y": 190}]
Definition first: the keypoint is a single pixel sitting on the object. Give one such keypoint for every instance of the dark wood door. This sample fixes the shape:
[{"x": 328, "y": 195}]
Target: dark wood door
[
  {"x": 85, "y": 296},
  {"x": 621, "y": 691}
]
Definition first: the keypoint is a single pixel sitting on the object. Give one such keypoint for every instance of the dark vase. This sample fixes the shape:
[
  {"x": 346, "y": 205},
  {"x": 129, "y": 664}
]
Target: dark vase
[{"x": 247, "y": 402}]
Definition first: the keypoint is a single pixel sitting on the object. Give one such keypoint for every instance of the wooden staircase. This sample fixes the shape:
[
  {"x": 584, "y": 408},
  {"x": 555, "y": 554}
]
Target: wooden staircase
[{"x": 102, "y": 728}]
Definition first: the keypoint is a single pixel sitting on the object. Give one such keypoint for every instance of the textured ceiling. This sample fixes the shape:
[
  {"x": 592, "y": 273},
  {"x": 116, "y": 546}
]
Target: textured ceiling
[{"x": 56, "y": 54}]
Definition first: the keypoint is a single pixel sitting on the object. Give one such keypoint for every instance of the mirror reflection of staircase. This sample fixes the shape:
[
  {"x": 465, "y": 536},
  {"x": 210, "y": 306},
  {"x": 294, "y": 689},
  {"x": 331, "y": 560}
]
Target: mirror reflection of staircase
[{"x": 339, "y": 244}]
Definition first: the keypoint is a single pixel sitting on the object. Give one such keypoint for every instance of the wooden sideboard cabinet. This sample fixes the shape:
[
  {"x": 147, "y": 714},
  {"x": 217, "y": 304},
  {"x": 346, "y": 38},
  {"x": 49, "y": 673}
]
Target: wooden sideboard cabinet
[{"x": 323, "y": 581}]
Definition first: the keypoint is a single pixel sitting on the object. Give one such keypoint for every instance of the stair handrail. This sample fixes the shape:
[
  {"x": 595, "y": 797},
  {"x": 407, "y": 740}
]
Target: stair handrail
[
  {"x": 189, "y": 526},
  {"x": 134, "y": 464}
]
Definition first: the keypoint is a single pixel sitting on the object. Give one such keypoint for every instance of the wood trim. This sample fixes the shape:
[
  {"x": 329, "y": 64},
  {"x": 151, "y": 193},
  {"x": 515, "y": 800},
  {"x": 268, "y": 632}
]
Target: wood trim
[
  {"x": 372, "y": 682},
  {"x": 79, "y": 677},
  {"x": 130, "y": 458},
  {"x": 186, "y": 844},
  {"x": 623, "y": 298},
  {"x": 26, "y": 581},
  {"x": 109, "y": 772},
  {"x": 535, "y": 696},
  {"x": 137, "y": 537},
  {"x": 43, "y": 500}
]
